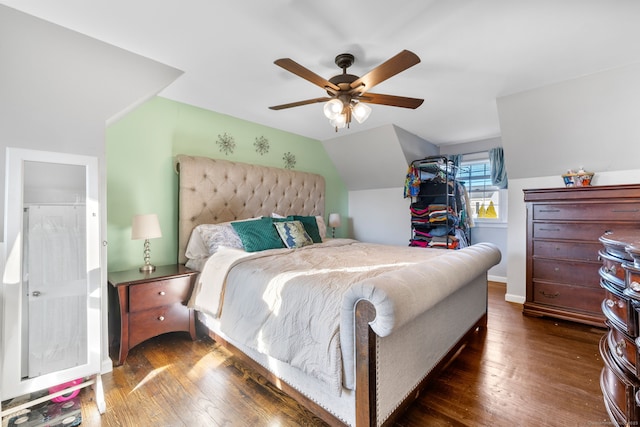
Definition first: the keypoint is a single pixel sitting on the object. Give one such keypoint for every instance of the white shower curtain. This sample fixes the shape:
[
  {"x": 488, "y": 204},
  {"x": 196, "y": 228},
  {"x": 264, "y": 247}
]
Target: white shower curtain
[{"x": 56, "y": 281}]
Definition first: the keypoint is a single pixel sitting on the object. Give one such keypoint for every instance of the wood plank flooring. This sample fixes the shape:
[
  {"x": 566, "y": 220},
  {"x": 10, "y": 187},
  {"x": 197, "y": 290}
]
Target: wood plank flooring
[{"x": 522, "y": 371}]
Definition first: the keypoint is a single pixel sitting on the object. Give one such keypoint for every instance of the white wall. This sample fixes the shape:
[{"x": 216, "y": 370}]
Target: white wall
[
  {"x": 380, "y": 216},
  {"x": 58, "y": 91},
  {"x": 376, "y": 158},
  {"x": 591, "y": 121}
]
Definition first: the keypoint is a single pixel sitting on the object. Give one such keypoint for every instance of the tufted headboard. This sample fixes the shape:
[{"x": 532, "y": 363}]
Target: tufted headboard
[{"x": 214, "y": 190}]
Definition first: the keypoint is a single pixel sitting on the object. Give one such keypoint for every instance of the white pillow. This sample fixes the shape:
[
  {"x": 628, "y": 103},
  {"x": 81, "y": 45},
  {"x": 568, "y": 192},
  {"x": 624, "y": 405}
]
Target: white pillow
[
  {"x": 216, "y": 235},
  {"x": 322, "y": 227},
  {"x": 205, "y": 239},
  {"x": 195, "y": 247}
]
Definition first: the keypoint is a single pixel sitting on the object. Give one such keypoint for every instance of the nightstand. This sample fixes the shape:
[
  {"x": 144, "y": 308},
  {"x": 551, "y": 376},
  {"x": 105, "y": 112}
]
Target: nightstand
[{"x": 144, "y": 305}]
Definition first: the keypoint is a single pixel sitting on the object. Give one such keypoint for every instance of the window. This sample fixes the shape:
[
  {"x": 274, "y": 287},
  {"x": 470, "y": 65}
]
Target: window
[{"x": 485, "y": 198}]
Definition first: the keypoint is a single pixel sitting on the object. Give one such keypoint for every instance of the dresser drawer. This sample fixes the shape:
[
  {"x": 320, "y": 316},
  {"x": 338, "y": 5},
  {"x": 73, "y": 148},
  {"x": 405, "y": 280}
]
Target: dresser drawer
[
  {"x": 618, "y": 309},
  {"x": 618, "y": 389},
  {"x": 617, "y": 211},
  {"x": 569, "y": 297},
  {"x": 612, "y": 269},
  {"x": 566, "y": 250},
  {"x": 623, "y": 349},
  {"x": 632, "y": 280},
  {"x": 569, "y": 272},
  {"x": 149, "y": 323},
  {"x": 159, "y": 293},
  {"x": 587, "y": 231}
]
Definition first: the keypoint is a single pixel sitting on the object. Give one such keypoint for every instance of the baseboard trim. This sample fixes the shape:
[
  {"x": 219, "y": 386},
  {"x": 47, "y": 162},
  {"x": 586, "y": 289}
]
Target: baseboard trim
[
  {"x": 514, "y": 298},
  {"x": 493, "y": 278}
]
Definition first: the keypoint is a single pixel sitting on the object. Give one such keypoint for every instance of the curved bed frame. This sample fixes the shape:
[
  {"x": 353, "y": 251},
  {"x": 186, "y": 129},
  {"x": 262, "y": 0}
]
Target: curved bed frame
[{"x": 392, "y": 326}]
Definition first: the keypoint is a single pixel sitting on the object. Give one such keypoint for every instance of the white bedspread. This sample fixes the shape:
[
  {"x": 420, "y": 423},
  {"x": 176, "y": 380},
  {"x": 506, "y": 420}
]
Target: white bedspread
[{"x": 286, "y": 303}]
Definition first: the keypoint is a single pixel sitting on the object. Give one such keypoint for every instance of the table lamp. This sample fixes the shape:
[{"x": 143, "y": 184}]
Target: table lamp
[
  {"x": 334, "y": 221},
  {"x": 146, "y": 227}
]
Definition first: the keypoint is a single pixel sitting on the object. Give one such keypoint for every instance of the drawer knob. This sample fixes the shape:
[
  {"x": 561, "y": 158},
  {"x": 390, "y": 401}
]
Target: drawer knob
[
  {"x": 635, "y": 286},
  {"x": 161, "y": 318},
  {"x": 620, "y": 346},
  {"x": 162, "y": 293},
  {"x": 611, "y": 303}
]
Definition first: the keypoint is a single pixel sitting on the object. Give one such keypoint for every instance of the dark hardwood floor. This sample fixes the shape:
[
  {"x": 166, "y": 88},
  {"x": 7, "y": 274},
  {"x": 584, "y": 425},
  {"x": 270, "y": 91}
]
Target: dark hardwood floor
[{"x": 521, "y": 372}]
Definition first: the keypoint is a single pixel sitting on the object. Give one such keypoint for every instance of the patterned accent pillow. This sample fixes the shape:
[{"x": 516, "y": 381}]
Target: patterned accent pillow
[
  {"x": 293, "y": 234},
  {"x": 215, "y": 235},
  {"x": 258, "y": 235},
  {"x": 310, "y": 226}
]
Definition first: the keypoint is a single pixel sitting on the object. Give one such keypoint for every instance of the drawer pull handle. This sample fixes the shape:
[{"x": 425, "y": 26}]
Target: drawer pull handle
[
  {"x": 36, "y": 293},
  {"x": 550, "y": 295},
  {"x": 162, "y": 293},
  {"x": 620, "y": 347},
  {"x": 624, "y": 210},
  {"x": 635, "y": 286},
  {"x": 549, "y": 229},
  {"x": 161, "y": 318},
  {"x": 549, "y": 210},
  {"x": 611, "y": 303}
]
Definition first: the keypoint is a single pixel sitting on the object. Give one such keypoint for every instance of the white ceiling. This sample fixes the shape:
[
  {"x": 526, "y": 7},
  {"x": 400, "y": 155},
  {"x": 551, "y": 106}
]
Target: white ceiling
[{"x": 472, "y": 52}]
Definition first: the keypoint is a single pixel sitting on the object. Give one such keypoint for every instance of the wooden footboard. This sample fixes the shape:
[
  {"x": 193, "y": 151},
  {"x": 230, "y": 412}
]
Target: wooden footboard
[{"x": 365, "y": 370}]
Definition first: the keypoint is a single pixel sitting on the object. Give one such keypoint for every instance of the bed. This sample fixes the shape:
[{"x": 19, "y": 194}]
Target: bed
[{"x": 351, "y": 330}]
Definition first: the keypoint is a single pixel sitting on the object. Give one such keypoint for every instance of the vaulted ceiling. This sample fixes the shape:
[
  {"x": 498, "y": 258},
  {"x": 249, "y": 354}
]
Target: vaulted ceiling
[{"x": 472, "y": 52}]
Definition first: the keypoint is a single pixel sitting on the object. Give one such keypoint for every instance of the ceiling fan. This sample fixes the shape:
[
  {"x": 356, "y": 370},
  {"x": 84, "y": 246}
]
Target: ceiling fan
[{"x": 349, "y": 94}]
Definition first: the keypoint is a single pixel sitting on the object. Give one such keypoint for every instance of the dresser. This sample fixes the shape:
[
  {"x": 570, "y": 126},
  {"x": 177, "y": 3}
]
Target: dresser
[
  {"x": 563, "y": 249},
  {"x": 619, "y": 348},
  {"x": 144, "y": 305}
]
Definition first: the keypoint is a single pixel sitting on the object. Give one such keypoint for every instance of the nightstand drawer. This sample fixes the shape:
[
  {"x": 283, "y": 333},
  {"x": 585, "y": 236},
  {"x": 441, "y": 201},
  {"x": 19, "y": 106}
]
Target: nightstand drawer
[
  {"x": 159, "y": 293},
  {"x": 156, "y": 321}
]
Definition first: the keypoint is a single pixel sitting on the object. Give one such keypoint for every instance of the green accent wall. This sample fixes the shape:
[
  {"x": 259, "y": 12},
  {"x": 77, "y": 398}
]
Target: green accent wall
[{"x": 141, "y": 179}]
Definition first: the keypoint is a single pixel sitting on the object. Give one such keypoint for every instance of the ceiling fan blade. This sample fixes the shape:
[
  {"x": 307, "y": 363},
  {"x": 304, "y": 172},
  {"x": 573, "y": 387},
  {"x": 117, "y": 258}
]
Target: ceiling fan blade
[
  {"x": 299, "y": 103},
  {"x": 392, "y": 100},
  {"x": 297, "y": 69},
  {"x": 382, "y": 72}
]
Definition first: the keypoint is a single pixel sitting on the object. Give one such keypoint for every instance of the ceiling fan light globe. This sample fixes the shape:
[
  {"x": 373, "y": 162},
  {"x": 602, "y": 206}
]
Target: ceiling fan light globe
[
  {"x": 333, "y": 108},
  {"x": 361, "y": 112},
  {"x": 339, "y": 122}
]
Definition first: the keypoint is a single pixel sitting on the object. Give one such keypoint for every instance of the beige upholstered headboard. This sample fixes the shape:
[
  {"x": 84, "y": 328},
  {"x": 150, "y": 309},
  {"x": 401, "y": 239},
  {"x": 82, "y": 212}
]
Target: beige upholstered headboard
[{"x": 214, "y": 190}]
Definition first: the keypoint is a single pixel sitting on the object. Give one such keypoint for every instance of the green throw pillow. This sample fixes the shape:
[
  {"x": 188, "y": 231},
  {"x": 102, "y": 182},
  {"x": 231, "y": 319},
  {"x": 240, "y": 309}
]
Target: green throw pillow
[
  {"x": 310, "y": 225},
  {"x": 293, "y": 234},
  {"x": 258, "y": 235}
]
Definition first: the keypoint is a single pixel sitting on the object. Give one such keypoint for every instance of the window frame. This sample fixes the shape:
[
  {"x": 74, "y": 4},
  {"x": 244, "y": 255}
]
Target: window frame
[{"x": 483, "y": 158}]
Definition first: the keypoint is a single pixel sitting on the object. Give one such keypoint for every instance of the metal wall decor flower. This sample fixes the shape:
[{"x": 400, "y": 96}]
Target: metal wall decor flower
[
  {"x": 289, "y": 160},
  {"x": 226, "y": 143},
  {"x": 262, "y": 145}
]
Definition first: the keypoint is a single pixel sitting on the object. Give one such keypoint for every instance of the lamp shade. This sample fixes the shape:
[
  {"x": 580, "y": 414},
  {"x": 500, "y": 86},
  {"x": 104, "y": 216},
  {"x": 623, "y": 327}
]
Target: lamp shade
[
  {"x": 361, "y": 112},
  {"x": 333, "y": 108},
  {"x": 145, "y": 227},
  {"x": 334, "y": 220}
]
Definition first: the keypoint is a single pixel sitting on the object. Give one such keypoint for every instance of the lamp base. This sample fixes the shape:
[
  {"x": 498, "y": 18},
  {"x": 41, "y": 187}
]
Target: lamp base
[{"x": 147, "y": 268}]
